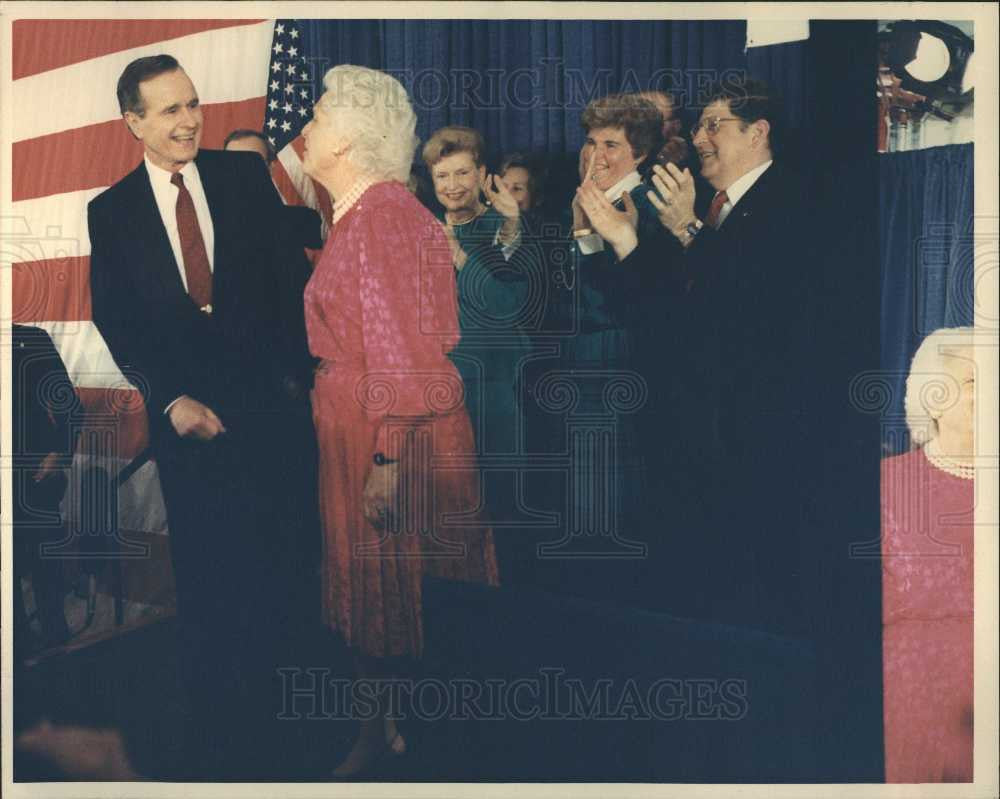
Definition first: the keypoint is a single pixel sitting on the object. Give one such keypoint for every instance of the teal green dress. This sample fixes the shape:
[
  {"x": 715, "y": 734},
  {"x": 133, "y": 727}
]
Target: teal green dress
[{"x": 495, "y": 297}]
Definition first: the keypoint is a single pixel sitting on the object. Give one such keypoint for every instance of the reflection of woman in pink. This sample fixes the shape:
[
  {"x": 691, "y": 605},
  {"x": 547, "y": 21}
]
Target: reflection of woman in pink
[
  {"x": 927, "y": 581},
  {"x": 393, "y": 434}
]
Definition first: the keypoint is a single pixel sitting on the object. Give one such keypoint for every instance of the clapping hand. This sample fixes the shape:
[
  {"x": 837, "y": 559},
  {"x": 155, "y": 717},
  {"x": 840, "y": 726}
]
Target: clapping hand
[
  {"x": 458, "y": 255},
  {"x": 616, "y": 227},
  {"x": 580, "y": 220},
  {"x": 673, "y": 197},
  {"x": 500, "y": 197}
]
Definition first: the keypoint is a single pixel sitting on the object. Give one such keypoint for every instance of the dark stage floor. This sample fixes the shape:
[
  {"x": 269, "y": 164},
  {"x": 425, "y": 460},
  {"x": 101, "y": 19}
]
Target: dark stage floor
[{"x": 132, "y": 683}]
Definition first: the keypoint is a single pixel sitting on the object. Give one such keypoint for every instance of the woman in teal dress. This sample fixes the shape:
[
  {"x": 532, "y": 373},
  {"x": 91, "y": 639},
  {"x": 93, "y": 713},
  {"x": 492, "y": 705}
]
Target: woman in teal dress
[{"x": 498, "y": 296}]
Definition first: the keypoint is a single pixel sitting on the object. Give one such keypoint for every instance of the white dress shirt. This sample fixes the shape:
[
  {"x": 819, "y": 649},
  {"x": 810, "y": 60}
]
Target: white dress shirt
[
  {"x": 166, "y": 193},
  {"x": 740, "y": 187}
]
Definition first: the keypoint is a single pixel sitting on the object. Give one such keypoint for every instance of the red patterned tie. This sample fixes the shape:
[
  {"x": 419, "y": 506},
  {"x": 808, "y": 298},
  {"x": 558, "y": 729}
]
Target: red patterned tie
[
  {"x": 196, "y": 269},
  {"x": 720, "y": 199}
]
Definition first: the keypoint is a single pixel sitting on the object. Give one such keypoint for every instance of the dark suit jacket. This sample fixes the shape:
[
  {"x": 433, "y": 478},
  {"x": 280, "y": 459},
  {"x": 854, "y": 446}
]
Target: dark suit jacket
[
  {"x": 241, "y": 356},
  {"x": 737, "y": 407}
]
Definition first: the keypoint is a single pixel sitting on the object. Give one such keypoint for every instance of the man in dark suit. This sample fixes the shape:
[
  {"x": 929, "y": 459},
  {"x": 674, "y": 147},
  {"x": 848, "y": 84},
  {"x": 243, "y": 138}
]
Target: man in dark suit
[
  {"x": 733, "y": 414},
  {"x": 302, "y": 223},
  {"x": 42, "y": 403},
  {"x": 195, "y": 293}
]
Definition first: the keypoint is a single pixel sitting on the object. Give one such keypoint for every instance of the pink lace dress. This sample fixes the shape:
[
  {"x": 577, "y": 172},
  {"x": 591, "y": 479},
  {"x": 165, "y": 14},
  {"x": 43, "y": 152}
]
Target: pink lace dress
[
  {"x": 927, "y": 593},
  {"x": 381, "y": 313}
]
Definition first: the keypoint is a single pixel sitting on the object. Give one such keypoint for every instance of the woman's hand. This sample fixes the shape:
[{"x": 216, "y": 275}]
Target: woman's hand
[
  {"x": 458, "y": 255},
  {"x": 380, "y": 496},
  {"x": 500, "y": 198},
  {"x": 618, "y": 228},
  {"x": 580, "y": 219},
  {"x": 673, "y": 198}
]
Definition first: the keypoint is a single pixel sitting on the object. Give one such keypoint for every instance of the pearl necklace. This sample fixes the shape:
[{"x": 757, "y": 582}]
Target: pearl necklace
[
  {"x": 472, "y": 218},
  {"x": 351, "y": 196},
  {"x": 952, "y": 466}
]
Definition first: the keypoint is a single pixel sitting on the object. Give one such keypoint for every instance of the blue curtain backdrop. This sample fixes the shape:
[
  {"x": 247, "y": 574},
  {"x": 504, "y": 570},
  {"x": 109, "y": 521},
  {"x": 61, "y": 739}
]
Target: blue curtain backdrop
[
  {"x": 925, "y": 223},
  {"x": 524, "y": 83}
]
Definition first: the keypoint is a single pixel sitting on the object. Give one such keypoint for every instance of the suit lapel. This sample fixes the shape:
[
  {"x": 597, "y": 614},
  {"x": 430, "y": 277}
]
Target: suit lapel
[
  {"x": 212, "y": 181},
  {"x": 755, "y": 196}
]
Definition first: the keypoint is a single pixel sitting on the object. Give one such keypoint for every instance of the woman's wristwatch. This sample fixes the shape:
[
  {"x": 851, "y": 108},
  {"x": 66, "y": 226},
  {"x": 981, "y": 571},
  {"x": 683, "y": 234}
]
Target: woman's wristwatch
[{"x": 381, "y": 460}]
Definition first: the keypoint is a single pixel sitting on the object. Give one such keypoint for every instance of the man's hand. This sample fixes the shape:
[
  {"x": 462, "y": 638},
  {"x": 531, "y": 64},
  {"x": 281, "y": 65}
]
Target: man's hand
[
  {"x": 192, "y": 419},
  {"x": 618, "y": 228},
  {"x": 458, "y": 255},
  {"x": 379, "y": 498},
  {"x": 673, "y": 198}
]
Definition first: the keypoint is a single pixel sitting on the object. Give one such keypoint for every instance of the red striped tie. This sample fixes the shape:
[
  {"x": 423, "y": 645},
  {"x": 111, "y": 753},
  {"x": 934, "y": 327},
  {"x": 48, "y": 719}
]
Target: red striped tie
[
  {"x": 196, "y": 269},
  {"x": 720, "y": 199}
]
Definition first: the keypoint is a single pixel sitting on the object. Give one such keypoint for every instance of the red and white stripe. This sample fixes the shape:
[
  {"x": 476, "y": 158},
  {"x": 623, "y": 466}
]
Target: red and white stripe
[{"x": 69, "y": 144}]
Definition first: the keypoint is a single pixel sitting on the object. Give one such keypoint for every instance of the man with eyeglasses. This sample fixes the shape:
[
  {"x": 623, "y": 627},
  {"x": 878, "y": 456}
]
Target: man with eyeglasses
[{"x": 735, "y": 401}]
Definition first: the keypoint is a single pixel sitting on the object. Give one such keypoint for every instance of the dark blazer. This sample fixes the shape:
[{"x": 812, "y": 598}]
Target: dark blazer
[
  {"x": 252, "y": 343},
  {"x": 737, "y": 405},
  {"x": 42, "y": 397}
]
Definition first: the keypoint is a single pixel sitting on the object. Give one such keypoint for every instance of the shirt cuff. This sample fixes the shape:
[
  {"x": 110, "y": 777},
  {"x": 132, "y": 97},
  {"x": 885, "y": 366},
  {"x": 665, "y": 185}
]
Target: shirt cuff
[
  {"x": 172, "y": 403},
  {"x": 590, "y": 243},
  {"x": 507, "y": 249}
]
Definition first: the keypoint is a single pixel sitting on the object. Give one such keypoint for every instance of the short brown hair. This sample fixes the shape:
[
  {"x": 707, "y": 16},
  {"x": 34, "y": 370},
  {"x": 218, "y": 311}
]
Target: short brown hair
[
  {"x": 637, "y": 116},
  {"x": 453, "y": 139}
]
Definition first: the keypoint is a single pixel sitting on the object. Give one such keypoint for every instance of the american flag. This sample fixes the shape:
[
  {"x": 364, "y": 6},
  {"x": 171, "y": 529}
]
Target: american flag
[
  {"x": 70, "y": 143},
  {"x": 290, "y": 86}
]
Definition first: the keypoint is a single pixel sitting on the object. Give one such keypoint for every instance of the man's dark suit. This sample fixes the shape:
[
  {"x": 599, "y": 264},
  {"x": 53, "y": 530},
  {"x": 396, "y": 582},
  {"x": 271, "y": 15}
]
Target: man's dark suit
[
  {"x": 761, "y": 448},
  {"x": 242, "y": 509},
  {"x": 736, "y": 399}
]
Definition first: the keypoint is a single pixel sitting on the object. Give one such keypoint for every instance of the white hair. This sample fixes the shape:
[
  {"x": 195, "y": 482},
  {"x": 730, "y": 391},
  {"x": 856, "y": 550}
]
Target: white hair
[
  {"x": 372, "y": 110},
  {"x": 930, "y": 385}
]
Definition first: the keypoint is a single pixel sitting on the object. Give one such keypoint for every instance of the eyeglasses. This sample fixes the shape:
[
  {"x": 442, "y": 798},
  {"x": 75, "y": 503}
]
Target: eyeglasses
[{"x": 711, "y": 125}]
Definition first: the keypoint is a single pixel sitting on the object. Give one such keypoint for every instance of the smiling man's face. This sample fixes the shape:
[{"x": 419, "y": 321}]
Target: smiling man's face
[
  {"x": 733, "y": 150},
  {"x": 171, "y": 124}
]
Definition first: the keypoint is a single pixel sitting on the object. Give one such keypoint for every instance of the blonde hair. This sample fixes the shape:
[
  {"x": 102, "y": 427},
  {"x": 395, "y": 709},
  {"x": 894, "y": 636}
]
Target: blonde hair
[
  {"x": 453, "y": 139},
  {"x": 372, "y": 110}
]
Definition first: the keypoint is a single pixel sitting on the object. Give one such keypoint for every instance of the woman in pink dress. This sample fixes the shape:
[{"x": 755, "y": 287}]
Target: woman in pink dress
[
  {"x": 927, "y": 577},
  {"x": 398, "y": 486}
]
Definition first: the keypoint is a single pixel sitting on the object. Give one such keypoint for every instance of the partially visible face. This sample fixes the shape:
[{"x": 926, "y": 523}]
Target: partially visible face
[
  {"x": 613, "y": 159},
  {"x": 249, "y": 144},
  {"x": 457, "y": 181},
  {"x": 170, "y": 127},
  {"x": 321, "y": 140},
  {"x": 665, "y": 107},
  {"x": 517, "y": 179},
  {"x": 958, "y": 413},
  {"x": 729, "y": 154}
]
